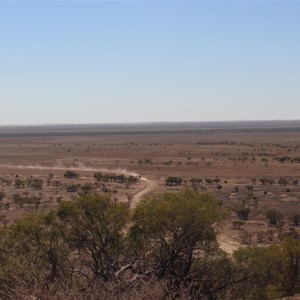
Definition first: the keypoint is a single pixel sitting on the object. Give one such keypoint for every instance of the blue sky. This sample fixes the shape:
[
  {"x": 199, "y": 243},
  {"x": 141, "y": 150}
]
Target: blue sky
[{"x": 143, "y": 61}]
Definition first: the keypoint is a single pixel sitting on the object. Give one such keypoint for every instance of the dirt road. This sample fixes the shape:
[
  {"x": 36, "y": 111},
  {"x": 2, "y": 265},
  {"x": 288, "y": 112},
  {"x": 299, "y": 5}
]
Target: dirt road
[
  {"x": 227, "y": 243},
  {"x": 150, "y": 185}
]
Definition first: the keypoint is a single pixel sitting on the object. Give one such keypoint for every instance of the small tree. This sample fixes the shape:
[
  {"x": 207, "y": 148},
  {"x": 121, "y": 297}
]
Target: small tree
[
  {"x": 274, "y": 217},
  {"x": 71, "y": 188},
  {"x": 270, "y": 180},
  {"x": 70, "y": 174},
  {"x": 49, "y": 178},
  {"x": 171, "y": 180},
  {"x": 2, "y": 195},
  {"x": 249, "y": 188},
  {"x": 295, "y": 181},
  {"x": 196, "y": 182},
  {"x": 19, "y": 183},
  {"x": 86, "y": 188},
  {"x": 263, "y": 180},
  {"x": 36, "y": 184},
  {"x": 242, "y": 212},
  {"x": 296, "y": 219},
  {"x": 283, "y": 181},
  {"x": 128, "y": 181},
  {"x": 208, "y": 181},
  {"x": 6, "y": 205}
]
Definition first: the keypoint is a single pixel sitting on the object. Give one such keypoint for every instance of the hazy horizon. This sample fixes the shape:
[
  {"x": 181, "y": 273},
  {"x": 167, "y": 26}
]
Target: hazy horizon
[
  {"x": 213, "y": 122},
  {"x": 102, "y": 62}
]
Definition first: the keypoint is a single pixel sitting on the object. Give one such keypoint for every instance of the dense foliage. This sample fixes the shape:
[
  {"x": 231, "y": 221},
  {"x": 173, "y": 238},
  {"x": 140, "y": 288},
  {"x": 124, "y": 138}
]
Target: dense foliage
[{"x": 94, "y": 247}]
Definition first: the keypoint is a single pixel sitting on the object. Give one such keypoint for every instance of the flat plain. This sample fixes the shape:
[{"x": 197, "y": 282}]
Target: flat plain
[{"x": 254, "y": 164}]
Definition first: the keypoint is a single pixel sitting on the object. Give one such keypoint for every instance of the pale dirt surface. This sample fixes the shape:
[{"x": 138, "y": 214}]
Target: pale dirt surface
[
  {"x": 228, "y": 243},
  {"x": 150, "y": 186}
]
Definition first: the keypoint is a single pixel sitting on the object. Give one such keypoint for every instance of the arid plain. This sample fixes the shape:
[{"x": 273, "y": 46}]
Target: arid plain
[{"x": 253, "y": 164}]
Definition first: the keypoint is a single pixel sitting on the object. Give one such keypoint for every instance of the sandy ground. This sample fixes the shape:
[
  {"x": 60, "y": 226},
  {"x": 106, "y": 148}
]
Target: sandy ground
[
  {"x": 227, "y": 243},
  {"x": 150, "y": 186}
]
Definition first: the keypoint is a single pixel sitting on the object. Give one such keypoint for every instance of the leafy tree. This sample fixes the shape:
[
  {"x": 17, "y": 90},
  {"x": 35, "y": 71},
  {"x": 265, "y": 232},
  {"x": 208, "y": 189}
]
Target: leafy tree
[
  {"x": 273, "y": 272},
  {"x": 259, "y": 265},
  {"x": 95, "y": 226},
  {"x": 169, "y": 238},
  {"x": 130, "y": 180},
  {"x": 172, "y": 232},
  {"x": 291, "y": 265},
  {"x": 34, "y": 250}
]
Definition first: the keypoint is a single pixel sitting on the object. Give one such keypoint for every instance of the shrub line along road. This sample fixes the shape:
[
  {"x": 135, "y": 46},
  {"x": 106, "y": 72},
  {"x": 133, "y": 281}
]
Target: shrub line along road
[{"x": 150, "y": 185}]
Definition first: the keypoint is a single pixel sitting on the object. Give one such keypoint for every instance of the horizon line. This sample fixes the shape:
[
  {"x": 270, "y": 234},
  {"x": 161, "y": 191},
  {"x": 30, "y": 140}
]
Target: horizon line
[{"x": 145, "y": 123}]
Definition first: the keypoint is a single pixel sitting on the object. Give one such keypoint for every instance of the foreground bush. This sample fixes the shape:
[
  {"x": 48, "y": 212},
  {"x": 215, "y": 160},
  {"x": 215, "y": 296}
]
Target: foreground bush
[{"x": 166, "y": 248}]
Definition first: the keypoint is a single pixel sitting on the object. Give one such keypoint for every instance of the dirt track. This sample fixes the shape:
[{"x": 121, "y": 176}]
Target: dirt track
[
  {"x": 150, "y": 186},
  {"x": 227, "y": 243}
]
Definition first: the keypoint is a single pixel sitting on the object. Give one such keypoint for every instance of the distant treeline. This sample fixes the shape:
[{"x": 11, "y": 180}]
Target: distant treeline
[
  {"x": 148, "y": 132},
  {"x": 121, "y": 178}
]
